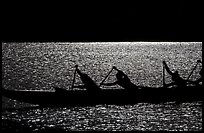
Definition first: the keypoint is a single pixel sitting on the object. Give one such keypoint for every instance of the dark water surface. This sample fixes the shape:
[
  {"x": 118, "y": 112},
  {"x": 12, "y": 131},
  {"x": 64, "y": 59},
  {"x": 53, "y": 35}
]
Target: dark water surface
[
  {"x": 40, "y": 66},
  {"x": 139, "y": 117}
]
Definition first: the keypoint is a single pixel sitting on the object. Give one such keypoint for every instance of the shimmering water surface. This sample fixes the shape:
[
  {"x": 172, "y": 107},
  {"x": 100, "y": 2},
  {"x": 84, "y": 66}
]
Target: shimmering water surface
[
  {"x": 142, "y": 116},
  {"x": 40, "y": 66}
]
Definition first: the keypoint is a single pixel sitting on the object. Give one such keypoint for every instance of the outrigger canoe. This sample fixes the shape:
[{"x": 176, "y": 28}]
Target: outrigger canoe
[{"x": 62, "y": 97}]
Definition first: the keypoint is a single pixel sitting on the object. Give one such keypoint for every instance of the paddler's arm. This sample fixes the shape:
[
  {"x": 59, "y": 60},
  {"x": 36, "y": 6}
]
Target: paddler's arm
[
  {"x": 167, "y": 68},
  {"x": 121, "y": 72},
  {"x": 116, "y": 68}
]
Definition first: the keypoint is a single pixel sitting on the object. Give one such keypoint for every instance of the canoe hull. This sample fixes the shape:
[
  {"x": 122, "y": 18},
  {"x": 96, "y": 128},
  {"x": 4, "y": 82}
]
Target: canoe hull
[{"x": 119, "y": 97}]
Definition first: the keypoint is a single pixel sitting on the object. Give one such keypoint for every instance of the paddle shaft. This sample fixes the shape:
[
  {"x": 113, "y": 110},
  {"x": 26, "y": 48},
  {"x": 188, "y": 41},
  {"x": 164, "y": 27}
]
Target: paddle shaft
[
  {"x": 74, "y": 78},
  {"x": 106, "y": 77},
  {"x": 163, "y": 76},
  {"x": 192, "y": 71}
]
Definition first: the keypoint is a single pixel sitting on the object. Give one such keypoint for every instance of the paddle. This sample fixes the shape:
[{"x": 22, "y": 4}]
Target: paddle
[
  {"x": 106, "y": 76},
  {"x": 164, "y": 76},
  {"x": 198, "y": 61},
  {"x": 74, "y": 76}
]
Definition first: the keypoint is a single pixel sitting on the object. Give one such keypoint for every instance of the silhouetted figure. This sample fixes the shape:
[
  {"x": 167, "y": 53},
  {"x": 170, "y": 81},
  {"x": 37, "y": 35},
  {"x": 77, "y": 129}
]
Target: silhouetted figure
[
  {"x": 180, "y": 82},
  {"x": 89, "y": 84},
  {"x": 122, "y": 80}
]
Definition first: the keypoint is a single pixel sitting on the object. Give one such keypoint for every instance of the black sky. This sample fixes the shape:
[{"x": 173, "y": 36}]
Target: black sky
[{"x": 138, "y": 21}]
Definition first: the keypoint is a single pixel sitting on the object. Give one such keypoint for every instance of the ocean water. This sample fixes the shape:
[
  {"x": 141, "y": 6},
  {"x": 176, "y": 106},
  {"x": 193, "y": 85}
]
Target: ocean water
[
  {"x": 138, "y": 117},
  {"x": 41, "y": 66}
]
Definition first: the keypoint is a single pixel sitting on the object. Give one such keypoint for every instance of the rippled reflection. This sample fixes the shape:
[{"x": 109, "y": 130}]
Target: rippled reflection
[{"x": 154, "y": 117}]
